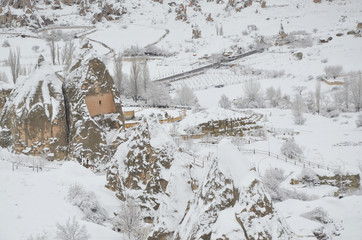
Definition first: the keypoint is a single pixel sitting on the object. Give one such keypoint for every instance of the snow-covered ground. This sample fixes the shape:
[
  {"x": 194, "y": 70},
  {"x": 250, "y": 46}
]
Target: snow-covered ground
[
  {"x": 35, "y": 202},
  {"x": 32, "y": 202}
]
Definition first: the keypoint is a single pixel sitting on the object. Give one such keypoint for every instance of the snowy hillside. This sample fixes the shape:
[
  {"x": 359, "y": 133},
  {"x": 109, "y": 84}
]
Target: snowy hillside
[{"x": 190, "y": 119}]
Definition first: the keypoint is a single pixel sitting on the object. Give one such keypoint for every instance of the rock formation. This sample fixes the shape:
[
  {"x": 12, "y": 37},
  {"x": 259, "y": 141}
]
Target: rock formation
[
  {"x": 93, "y": 109},
  {"x": 79, "y": 119},
  {"x": 232, "y": 193},
  {"x": 139, "y": 167},
  {"x": 33, "y": 118}
]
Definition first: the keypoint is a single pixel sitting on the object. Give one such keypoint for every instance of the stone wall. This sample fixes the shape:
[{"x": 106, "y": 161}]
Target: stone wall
[{"x": 229, "y": 127}]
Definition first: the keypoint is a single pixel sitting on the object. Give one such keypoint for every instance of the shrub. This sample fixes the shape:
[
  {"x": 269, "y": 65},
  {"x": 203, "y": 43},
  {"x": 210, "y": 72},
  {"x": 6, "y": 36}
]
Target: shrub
[
  {"x": 318, "y": 214},
  {"x": 133, "y": 51},
  {"x": 129, "y": 220},
  {"x": 87, "y": 202},
  {"x": 308, "y": 176},
  {"x": 6, "y": 43},
  {"x": 272, "y": 179},
  {"x": 291, "y": 150},
  {"x": 224, "y": 102},
  {"x": 71, "y": 231}
]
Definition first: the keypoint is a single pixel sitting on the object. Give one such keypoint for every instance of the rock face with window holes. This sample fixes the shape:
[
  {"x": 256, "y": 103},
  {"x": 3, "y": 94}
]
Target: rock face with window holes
[{"x": 93, "y": 109}]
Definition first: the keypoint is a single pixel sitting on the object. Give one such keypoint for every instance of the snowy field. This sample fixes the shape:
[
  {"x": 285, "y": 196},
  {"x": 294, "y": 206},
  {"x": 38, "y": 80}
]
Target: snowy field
[{"x": 333, "y": 143}]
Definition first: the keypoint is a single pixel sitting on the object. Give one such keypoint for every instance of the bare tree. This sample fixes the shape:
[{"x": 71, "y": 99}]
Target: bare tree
[
  {"x": 186, "y": 97},
  {"x": 356, "y": 90},
  {"x": 298, "y": 110},
  {"x": 117, "y": 71},
  {"x": 346, "y": 92},
  {"x": 129, "y": 220},
  {"x": 67, "y": 54},
  {"x": 145, "y": 76},
  {"x": 14, "y": 63},
  {"x": 333, "y": 71},
  {"x": 52, "y": 46},
  {"x": 318, "y": 96},
  {"x": 224, "y": 102},
  {"x": 253, "y": 94},
  {"x": 158, "y": 95},
  {"x": 135, "y": 78},
  {"x": 72, "y": 230}
]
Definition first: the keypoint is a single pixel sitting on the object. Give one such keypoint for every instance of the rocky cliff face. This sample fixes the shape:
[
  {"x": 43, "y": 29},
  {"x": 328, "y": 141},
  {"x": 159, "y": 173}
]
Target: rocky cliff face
[
  {"x": 78, "y": 119},
  {"x": 93, "y": 109},
  {"x": 139, "y": 168},
  {"x": 34, "y": 116},
  {"x": 248, "y": 210},
  {"x": 166, "y": 188},
  {"x": 20, "y": 13}
]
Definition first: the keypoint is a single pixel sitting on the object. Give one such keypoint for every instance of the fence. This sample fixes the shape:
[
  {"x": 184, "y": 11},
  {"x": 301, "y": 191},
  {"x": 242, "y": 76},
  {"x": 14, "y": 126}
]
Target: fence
[{"x": 302, "y": 162}]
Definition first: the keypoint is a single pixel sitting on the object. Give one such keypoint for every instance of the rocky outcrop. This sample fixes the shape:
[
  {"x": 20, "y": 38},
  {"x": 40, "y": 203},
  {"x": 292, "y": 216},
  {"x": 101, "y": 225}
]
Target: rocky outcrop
[
  {"x": 93, "y": 109},
  {"x": 12, "y": 16},
  {"x": 232, "y": 193},
  {"x": 33, "y": 118},
  {"x": 139, "y": 165},
  {"x": 4, "y": 95}
]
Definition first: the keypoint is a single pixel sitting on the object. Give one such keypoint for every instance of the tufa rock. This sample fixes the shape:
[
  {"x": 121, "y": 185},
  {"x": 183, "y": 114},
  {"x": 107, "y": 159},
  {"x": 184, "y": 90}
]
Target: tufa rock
[
  {"x": 93, "y": 109},
  {"x": 139, "y": 166},
  {"x": 231, "y": 192},
  {"x": 35, "y": 115}
]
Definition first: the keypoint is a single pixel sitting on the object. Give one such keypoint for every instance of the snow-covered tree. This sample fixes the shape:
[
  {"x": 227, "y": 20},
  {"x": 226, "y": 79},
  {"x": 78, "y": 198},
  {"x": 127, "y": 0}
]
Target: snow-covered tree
[
  {"x": 333, "y": 71},
  {"x": 129, "y": 220},
  {"x": 224, "y": 102},
  {"x": 135, "y": 77},
  {"x": 87, "y": 202},
  {"x": 318, "y": 96},
  {"x": 298, "y": 110},
  {"x": 117, "y": 71},
  {"x": 274, "y": 96},
  {"x": 291, "y": 149},
  {"x": 145, "y": 77},
  {"x": 272, "y": 179},
  {"x": 253, "y": 96},
  {"x": 14, "y": 63},
  {"x": 72, "y": 230},
  {"x": 52, "y": 47},
  {"x": 346, "y": 92},
  {"x": 157, "y": 95},
  {"x": 185, "y": 96},
  {"x": 356, "y": 90}
]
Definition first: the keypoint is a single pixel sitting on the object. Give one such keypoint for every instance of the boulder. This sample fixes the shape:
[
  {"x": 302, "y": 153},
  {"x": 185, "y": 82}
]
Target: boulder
[{"x": 34, "y": 115}]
